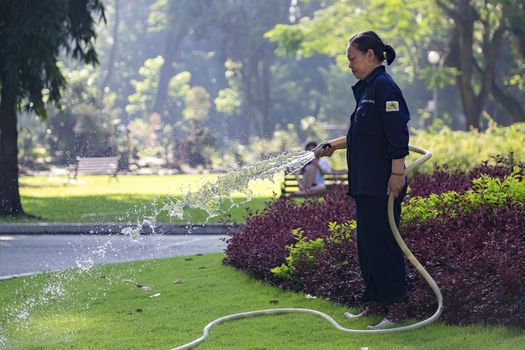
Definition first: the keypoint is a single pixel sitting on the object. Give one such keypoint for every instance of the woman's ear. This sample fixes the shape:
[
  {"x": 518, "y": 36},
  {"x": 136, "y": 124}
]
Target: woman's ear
[{"x": 370, "y": 55}]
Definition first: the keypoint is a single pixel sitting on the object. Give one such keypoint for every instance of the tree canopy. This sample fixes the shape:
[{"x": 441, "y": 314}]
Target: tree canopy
[
  {"x": 470, "y": 35},
  {"x": 33, "y": 36}
]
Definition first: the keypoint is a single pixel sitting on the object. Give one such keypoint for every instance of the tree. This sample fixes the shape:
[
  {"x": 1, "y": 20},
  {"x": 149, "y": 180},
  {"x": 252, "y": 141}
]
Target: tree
[
  {"x": 141, "y": 101},
  {"x": 233, "y": 30},
  {"x": 198, "y": 137},
  {"x": 33, "y": 35},
  {"x": 412, "y": 27},
  {"x": 123, "y": 44},
  {"x": 179, "y": 18},
  {"x": 472, "y": 34},
  {"x": 478, "y": 26},
  {"x": 513, "y": 16},
  {"x": 513, "y": 13},
  {"x": 243, "y": 25},
  {"x": 105, "y": 82}
]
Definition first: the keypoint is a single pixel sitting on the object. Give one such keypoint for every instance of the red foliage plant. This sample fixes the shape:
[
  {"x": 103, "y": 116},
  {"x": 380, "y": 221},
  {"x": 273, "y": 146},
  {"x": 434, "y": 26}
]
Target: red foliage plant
[
  {"x": 261, "y": 244},
  {"x": 443, "y": 180}
]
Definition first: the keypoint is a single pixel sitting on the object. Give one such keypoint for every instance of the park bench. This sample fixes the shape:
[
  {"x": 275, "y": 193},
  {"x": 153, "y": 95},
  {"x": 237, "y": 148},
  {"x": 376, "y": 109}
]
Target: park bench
[
  {"x": 290, "y": 185},
  {"x": 94, "y": 166}
]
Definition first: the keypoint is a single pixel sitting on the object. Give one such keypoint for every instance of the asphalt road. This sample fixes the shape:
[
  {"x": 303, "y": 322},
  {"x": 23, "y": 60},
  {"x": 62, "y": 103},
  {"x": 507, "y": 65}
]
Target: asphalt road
[{"x": 29, "y": 254}]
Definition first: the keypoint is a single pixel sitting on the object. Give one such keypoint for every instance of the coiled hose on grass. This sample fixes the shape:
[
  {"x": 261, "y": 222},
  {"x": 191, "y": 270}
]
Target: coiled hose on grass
[{"x": 426, "y": 155}]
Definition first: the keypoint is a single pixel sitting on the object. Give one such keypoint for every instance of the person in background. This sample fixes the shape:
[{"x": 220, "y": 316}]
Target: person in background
[
  {"x": 376, "y": 143},
  {"x": 313, "y": 173}
]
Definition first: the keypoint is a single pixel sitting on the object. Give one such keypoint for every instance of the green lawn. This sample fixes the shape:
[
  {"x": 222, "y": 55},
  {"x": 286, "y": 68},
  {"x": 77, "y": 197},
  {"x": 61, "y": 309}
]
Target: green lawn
[
  {"x": 104, "y": 309},
  {"x": 131, "y": 198}
]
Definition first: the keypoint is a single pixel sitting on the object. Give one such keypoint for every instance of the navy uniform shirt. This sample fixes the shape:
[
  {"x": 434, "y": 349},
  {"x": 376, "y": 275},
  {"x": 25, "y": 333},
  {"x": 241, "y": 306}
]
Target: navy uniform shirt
[{"x": 378, "y": 133}]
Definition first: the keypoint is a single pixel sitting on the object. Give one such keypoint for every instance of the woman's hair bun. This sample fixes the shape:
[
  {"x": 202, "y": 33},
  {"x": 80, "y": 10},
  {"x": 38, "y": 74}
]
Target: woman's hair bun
[{"x": 390, "y": 54}]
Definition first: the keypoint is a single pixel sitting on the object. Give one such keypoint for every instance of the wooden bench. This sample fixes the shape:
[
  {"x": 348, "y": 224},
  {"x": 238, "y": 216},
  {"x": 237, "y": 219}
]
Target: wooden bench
[
  {"x": 94, "y": 166},
  {"x": 290, "y": 185}
]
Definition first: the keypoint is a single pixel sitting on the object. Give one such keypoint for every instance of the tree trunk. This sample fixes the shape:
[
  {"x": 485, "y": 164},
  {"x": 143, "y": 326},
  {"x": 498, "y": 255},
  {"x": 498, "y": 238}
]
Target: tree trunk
[
  {"x": 266, "y": 76},
  {"x": 471, "y": 109},
  {"x": 10, "y": 204},
  {"x": 520, "y": 42},
  {"x": 462, "y": 43},
  {"x": 509, "y": 102},
  {"x": 514, "y": 14},
  {"x": 250, "y": 107},
  {"x": 461, "y": 57},
  {"x": 114, "y": 48},
  {"x": 174, "y": 37}
]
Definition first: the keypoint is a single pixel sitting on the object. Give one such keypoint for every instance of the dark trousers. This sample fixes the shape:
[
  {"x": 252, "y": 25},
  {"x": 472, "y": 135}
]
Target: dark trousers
[{"x": 381, "y": 260}]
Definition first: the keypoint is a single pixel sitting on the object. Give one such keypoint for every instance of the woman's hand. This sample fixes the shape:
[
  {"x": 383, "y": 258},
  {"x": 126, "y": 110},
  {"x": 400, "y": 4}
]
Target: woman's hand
[
  {"x": 324, "y": 149},
  {"x": 395, "y": 184}
]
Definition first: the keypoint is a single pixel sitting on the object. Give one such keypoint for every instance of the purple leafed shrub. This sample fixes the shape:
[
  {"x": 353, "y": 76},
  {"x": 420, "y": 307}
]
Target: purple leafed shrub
[
  {"x": 443, "y": 180},
  {"x": 502, "y": 167},
  {"x": 477, "y": 258},
  {"x": 337, "y": 277},
  {"x": 260, "y": 246}
]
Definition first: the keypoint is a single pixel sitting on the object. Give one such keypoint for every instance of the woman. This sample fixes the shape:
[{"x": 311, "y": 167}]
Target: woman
[
  {"x": 312, "y": 182},
  {"x": 376, "y": 143}
]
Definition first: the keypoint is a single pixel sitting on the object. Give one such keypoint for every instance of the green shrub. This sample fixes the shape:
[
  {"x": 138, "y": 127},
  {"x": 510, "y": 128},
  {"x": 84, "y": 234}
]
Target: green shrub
[
  {"x": 460, "y": 150},
  {"x": 303, "y": 254},
  {"x": 340, "y": 232},
  {"x": 463, "y": 150},
  {"x": 485, "y": 190},
  {"x": 495, "y": 191}
]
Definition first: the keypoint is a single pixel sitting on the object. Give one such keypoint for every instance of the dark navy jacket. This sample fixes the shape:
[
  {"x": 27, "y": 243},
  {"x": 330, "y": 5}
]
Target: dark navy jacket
[{"x": 378, "y": 133}]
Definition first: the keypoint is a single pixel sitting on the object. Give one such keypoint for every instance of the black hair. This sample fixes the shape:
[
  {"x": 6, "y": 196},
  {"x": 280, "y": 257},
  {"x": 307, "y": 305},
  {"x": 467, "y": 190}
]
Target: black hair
[
  {"x": 369, "y": 40},
  {"x": 310, "y": 144}
]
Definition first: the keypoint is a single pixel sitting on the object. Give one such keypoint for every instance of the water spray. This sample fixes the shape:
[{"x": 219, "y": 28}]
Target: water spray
[
  {"x": 390, "y": 208},
  {"x": 213, "y": 196}
]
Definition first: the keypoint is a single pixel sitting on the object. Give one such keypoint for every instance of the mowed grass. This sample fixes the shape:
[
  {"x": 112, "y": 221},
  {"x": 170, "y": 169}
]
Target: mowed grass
[
  {"x": 104, "y": 308},
  {"x": 128, "y": 199}
]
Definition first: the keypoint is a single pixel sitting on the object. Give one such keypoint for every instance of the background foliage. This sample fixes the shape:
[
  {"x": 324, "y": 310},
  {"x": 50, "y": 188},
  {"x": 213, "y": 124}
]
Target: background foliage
[{"x": 252, "y": 72}]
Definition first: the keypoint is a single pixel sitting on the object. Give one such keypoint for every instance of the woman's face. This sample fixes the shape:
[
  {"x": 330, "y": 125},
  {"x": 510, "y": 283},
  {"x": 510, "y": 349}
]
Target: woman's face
[{"x": 361, "y": 64}]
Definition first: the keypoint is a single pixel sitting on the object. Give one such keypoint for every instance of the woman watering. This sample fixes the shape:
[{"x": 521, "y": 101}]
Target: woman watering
[{"x": 376, "y": 143}]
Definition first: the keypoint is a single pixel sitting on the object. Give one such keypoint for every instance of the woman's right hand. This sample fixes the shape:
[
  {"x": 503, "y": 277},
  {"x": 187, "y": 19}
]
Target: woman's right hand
[{"x": 324, "y": 149}]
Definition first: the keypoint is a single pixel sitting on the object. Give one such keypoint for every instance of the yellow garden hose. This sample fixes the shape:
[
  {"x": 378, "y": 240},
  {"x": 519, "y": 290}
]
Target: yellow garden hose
[{"x": 426, "y": 155}]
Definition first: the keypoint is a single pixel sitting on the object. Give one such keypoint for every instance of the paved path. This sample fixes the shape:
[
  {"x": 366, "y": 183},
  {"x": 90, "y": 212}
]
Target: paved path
[
  {"x": 28, "y": 254},
  {"x": 114, "y": 228}
]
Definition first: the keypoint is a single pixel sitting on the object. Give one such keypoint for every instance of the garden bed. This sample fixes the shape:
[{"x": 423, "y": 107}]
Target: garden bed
[{"x": 466, "y": 227}]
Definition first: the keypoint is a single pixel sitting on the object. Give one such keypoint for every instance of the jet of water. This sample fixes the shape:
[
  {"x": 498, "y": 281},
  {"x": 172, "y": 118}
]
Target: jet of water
[{"x": 210, "y": 195}]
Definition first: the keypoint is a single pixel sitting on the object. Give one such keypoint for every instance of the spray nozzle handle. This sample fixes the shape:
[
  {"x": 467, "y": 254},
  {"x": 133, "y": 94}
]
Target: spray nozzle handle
[{"x": 322, "y": 148}]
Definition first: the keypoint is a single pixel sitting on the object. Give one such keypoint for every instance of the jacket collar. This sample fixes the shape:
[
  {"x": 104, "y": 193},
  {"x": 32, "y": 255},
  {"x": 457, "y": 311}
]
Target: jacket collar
[
  {"x": 377, "y": 71},
  {"x": 369, "y": 79}
]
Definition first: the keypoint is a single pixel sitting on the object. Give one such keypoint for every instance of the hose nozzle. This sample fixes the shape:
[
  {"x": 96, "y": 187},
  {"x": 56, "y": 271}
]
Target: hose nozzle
[{"x": 321, "y": 148}]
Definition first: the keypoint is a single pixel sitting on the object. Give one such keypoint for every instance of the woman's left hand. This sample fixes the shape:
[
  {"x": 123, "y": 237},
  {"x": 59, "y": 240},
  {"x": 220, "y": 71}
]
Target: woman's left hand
[{"x": 395, "y": 184}]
